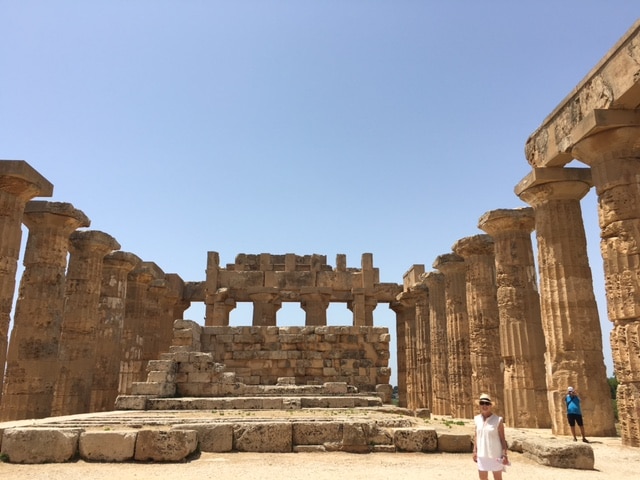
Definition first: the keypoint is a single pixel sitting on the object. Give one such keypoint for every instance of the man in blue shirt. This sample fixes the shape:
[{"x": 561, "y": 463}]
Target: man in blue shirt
[{"x": 574, "y": 413}]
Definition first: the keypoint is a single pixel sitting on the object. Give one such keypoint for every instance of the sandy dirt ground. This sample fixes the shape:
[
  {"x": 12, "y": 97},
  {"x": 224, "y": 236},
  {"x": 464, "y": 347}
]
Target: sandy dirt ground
[{"x": 612, "y": 461}]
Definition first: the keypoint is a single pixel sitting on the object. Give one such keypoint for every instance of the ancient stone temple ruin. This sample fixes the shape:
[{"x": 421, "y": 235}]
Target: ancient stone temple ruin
[{"x": 96, "y": 327}]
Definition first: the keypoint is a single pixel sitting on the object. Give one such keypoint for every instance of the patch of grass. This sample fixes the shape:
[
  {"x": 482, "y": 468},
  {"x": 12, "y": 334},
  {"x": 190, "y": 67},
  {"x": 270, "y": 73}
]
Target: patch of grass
[{"x": 4, "y": 458}]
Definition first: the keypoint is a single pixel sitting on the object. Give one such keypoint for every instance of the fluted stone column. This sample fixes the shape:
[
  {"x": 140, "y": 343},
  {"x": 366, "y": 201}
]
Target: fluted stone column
[
  {"x": 315, "y": 302},
  {"x": 33, "y": 350},
  {"x": 78, "y": 341},
  {"x": 132, "y": 366},
  {"x": 569, "y": 311},
  {"x": 111, "y": 308},
  {"x": 484, "y": 319},
  {"x": 453, "y": 267},
  {"x": 422, "y": 382},
  {"x": 521, "y": 335},
  {"x": 612, "y": 150},
  {"x": 19, "y": 183},
  {"x": 440, "y": 398},
  {"x": 266, "y": 304},
  {"x": 405, "y": 309}
]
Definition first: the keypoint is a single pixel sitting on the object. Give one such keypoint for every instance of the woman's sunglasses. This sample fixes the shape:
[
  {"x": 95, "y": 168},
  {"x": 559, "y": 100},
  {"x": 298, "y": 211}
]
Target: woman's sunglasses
[{"x": 485, "y": 403}]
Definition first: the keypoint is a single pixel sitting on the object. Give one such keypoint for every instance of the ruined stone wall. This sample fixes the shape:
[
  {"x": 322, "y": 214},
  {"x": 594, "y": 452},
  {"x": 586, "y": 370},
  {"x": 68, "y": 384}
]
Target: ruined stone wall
[{"x": 358, "y": 356}]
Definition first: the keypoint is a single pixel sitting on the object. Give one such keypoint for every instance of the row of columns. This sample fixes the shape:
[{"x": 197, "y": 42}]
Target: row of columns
[
  {"x": 504, "y": 337},
  {"x": 81, "y": 329}
]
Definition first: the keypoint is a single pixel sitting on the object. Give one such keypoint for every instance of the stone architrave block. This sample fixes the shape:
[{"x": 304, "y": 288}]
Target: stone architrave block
[
  {"x": 316, "y": 433},
  {"x": 214, "y": 438},
  {"x": 568, "y": 455},
  {"x": 263, "y": 437},
  {"x": 112, "y": 446},
  {"x": 41, "y": 445},
  {"x": 165, "y": 445},
  {"x": 455, "y": 443},
  {"x": 415, "y": 439}
]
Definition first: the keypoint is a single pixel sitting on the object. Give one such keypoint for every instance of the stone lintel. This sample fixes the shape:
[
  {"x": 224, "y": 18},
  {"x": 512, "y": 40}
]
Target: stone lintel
[
  {"x": 413, "y": 276},
  {"x": 542, "y": 176},
  {"x": 21, "y": 170},
  {"x": 614, "y": 84}
]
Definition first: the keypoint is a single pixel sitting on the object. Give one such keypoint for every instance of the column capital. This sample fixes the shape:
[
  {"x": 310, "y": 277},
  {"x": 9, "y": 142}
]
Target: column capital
[
  {"x": 449, "y": 263},
  {"x": 93, "y": 240},
  {"x": 503, "y": 220},
  {"x": 65, "y": 215},
  {"x": 555, "y": 184},
  {"x": 20, "y": 179},
  {"x": 481, "y": 244},
  {"x": 123, "y": 260},
  {"x": 432, "y": 279}
]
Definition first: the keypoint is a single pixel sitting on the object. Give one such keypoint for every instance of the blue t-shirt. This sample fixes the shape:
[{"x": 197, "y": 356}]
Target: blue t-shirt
[{"x": 573, "y": 405}]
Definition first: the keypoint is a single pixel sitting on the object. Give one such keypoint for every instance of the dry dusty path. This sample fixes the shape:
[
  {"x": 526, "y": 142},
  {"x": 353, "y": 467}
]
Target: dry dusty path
[{"x": 612, "y": 462}]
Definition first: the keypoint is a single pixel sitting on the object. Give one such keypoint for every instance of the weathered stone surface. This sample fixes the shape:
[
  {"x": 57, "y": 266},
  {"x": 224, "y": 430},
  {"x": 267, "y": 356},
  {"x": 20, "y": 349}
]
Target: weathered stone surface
[
  {"x": 570, "y": 319},
  {"x": 579, "y": 456},
  {"x": 165, "y": 445},
  {"x": 355, "y": 437},
  {"x": 112, "y": 446},
  {"x": 316, "y": 433},
  {"x": 215, "y": 438},
  {"x": 415, "y": 439},
  {"x": 521, "y": 335},
  {"x": 19, "y": 182},
  {"x": 261, "y": 437},
  {"x": 454, "y": 442},
  {"x": 41, "y": 445}
]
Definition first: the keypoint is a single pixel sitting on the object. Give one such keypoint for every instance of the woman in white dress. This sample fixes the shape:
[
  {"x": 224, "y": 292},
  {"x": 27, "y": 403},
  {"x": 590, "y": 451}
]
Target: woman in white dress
[{"x": 489, "y": 443}]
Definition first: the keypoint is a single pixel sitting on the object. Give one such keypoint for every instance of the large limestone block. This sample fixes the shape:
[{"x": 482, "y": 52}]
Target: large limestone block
[
  {"x": 42, "y": 445},
  {"x": 355, "y": 437},
  {"x": 112, "y": 446},
  {"x": 455, "y": 442},
  {"x": 215, "y": 438},
  {"x": 415, "y": 439},
  {"x": 560, "y": 455},
  {"x": 263, "y": 437},
  {"x": 316, "y": 433},
  {"x": 165, "y": 445}
]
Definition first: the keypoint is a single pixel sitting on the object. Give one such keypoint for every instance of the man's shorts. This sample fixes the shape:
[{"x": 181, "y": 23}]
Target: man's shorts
[{"x": 574, "y": 418}]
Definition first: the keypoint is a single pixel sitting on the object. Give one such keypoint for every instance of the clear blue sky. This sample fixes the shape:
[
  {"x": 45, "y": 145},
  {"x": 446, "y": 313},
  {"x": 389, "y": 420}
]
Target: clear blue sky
[{"x": 181, "y": 127}]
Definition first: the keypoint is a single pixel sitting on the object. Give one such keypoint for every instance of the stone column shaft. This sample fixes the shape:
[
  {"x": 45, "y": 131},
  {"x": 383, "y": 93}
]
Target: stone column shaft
[
  {"x": 484, "y": 320},
  {"x": 315, "y": 305},
  {"x": 78, "y": 342},
  {"x": 612, "y": 150},
  {"x": 423, "y": 389},
  {"x": 453, "y": 268},
  {"x": 111, "y": 308},
  {"x": 132, "y": 364},
  {"x": 19, "y": 183},
  {"x": 569, "y": 311},
  {"x": 404, "y": 307},
  {"x": 521, "y": 336},
  {"x": 265, "y": 306},
  {"x": 33, "y": 350},
  {"x": 441, "y": 401}
]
